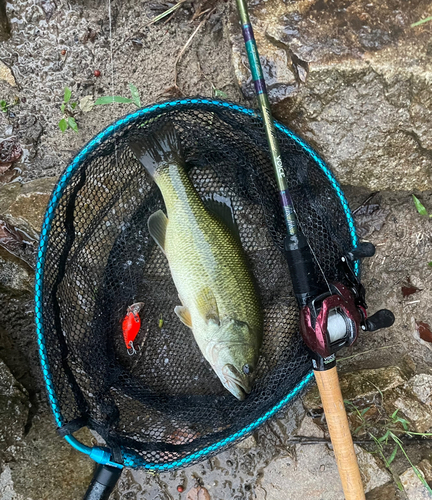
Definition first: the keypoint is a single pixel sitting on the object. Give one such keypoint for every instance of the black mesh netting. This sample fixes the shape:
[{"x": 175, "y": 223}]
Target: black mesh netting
[{"x": 166, "y": 402}]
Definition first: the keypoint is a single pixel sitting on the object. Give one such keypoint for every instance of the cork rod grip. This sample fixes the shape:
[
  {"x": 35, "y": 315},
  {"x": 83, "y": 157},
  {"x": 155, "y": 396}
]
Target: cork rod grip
[{"x": 334, "y": 409}]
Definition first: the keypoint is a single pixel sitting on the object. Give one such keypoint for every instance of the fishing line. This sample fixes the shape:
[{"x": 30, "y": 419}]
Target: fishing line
[{"x": 121, "y": 202}]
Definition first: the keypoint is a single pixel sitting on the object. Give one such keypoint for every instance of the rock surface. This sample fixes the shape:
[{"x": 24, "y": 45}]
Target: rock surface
[
  {"x": 355, "y": 105},
  {"x": 414, "y": 488},
  {"x": 15, "y": 274},
  {"x": 388, "y": 491},
  {"x": 23, "y": 206},
  {"x": 353, "y": 79},
  {"x": 43, "y": 465},
  {"x": 14, "y": 408},
  {"x": 387, "y": 389},
  {"x": 312, "y": 472}
]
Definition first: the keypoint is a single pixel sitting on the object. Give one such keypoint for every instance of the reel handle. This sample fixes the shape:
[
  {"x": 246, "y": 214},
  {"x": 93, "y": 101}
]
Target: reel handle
[
  {"x": 337, "y": 421},
  {"x": 381, "y": 319},
  {"x": 103, "y": 482}
]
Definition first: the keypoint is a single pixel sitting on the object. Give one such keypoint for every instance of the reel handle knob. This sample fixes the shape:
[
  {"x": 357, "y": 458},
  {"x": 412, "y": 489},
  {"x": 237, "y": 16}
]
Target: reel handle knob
[
  {"x": 381, "y": 319},
  {"x": 362, "y": 250}
]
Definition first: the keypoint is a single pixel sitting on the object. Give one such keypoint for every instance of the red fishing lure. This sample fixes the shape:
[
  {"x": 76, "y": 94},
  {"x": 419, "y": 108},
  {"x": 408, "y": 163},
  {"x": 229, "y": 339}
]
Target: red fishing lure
[{"x": 131, "y": 326}]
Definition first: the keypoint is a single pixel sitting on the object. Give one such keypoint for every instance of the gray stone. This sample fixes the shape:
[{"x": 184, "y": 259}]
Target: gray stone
[
  {"x": 23, "y": 206},
  {"x": 419, "y": 414},
  {"x": 354, "y": 81},
  {"x": 313, "y": 472},
  {"x": 45, "y": 466},
  {"x": 14, "y": 408},
  {"x": 421, "y": 385},
  {"x": 247, "y": 444},
  {"x": 361, "y": 384},
  {"x": 15, "y": 274},
  {"x": 364, "y": 388},
  {"x": 387, "y": 491},
  {"x": 414, "y": 488}
]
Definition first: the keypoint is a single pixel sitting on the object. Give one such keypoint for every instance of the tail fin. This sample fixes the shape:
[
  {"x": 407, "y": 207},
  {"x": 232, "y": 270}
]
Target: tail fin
[{"x": 157, "y": 150}]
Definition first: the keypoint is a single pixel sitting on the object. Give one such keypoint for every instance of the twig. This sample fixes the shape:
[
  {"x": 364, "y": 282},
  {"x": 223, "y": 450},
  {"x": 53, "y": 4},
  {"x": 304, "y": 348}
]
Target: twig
[
  {"x": 164, "y": 14},
  {"x": 367, "y": 352},
  {"x": 197, "y": 16},
  {"x": 367, "y": 200},
  {"x": 316, "y": 440},
  {"x": 171, "y": 10}
]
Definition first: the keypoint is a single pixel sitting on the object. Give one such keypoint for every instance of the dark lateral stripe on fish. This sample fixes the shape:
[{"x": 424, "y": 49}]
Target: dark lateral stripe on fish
[{"x": 157, "y": 150}]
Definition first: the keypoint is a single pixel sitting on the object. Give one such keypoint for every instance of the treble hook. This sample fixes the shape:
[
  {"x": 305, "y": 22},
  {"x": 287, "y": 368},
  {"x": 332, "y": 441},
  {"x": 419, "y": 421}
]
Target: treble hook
[{"x": 131, "y": 349}]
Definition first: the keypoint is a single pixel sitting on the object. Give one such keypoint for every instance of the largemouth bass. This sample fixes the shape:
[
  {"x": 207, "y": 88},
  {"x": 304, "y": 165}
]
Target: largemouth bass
[{"x": 216, "y": 289}]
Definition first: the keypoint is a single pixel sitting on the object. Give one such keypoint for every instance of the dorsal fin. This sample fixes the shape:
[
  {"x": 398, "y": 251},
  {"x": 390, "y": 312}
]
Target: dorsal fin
[{"x": 221, "y": 208}]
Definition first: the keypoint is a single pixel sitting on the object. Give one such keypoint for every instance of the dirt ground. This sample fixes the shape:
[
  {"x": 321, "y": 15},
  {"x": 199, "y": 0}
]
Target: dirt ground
[{"x": 116, "y": 43}]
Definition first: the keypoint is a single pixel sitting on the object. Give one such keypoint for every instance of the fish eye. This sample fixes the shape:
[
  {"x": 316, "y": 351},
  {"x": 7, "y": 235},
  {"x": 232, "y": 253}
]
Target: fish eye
[{"x": 247, "y": 369}]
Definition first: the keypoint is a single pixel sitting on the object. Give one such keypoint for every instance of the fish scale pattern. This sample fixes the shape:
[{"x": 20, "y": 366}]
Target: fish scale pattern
[{"x": 165, "y": 407}]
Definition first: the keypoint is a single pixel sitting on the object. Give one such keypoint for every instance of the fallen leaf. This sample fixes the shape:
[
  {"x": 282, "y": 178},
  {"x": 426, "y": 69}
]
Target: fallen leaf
[
  {"x": 424, "y": 331},
  {"x": 86, "y": 103},
  {"x": 370, "y": 218},
  {"x": 198, "y": 493},
  {"x": 409, "y": 290},
  {"x": 7, "y": 75}
]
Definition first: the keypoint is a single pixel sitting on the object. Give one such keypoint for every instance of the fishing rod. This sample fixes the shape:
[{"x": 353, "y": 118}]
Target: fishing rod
[{"x": 329, "y": 319}]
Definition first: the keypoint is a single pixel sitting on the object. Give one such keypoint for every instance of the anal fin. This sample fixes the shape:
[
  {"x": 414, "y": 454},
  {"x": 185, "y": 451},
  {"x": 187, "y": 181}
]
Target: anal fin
[{"x": 184, "y": 314}]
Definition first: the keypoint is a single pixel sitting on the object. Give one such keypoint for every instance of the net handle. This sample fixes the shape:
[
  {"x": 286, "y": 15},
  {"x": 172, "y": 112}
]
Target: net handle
[
  {"x": 337, "y": 421},
  {"x": 104, "y": 480}
]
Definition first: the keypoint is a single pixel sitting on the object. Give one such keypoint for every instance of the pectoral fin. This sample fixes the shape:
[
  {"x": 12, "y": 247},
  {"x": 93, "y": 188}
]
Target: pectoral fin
[
  {"x": 207, "y": 305},
  {"x": 157, "y": 224},
  {"x": 184, "y": 314}
]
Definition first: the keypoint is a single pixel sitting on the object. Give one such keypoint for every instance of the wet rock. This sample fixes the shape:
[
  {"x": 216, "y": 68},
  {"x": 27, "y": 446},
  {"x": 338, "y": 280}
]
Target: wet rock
[
  {"x": 314, "y": 474},
  {"x": 45, "y": 466},
  {"x": 386, "y": 492},
  {"x": 361, "y": 95},
  {"x": 388, "y": 389},
  {"x": 247, "y": 444},
  {"x": 14, "y": 408},
  {"x": 15, "y": 274},
  {"x": 29, "y": 130},
  {"x": 23, "y": 206},
  {"x": 360, "y": 385},
  {"x": 414, "y": 488}
]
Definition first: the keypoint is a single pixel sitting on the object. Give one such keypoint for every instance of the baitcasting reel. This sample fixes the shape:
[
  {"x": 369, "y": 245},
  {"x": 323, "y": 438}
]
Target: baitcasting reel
[{"x": 333, "y": 319}]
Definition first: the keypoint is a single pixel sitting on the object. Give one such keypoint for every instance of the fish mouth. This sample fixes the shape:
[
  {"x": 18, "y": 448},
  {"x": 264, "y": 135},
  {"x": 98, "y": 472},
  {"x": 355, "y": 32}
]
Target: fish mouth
[{"x": 239, "y": 385}]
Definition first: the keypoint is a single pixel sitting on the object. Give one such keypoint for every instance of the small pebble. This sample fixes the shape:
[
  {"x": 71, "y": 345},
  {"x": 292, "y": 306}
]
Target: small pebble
[
  {"x": 180, "y": 488},
  {"x": 97, "y": 73},
  {"x": 63, "y": 52}
]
